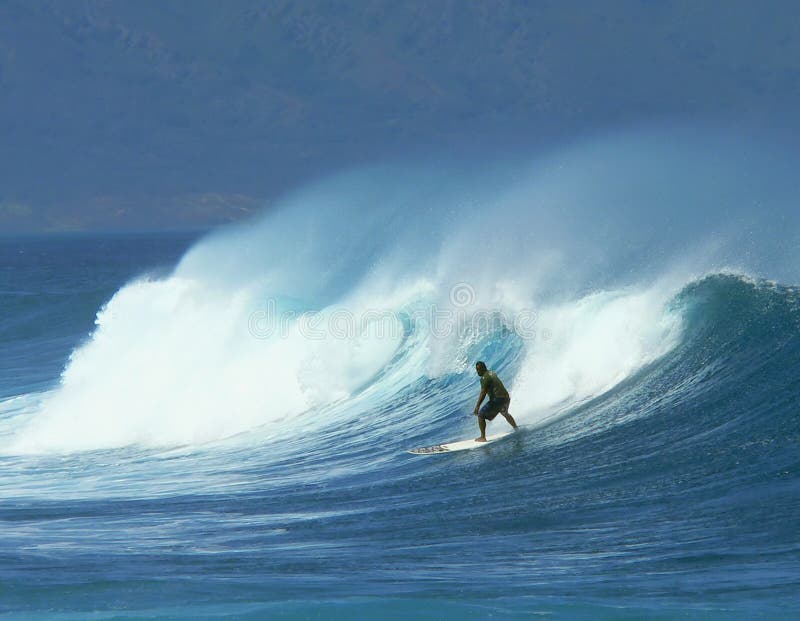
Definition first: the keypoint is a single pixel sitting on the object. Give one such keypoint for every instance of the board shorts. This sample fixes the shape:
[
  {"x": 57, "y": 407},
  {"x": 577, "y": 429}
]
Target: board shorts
[{"x": 494, "y": 407}]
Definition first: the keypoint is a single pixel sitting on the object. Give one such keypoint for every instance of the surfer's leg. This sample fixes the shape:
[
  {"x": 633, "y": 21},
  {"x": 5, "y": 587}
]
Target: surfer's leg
[
  {"x": 482, "y": 426},
  {"x": 508, "y": 416}
]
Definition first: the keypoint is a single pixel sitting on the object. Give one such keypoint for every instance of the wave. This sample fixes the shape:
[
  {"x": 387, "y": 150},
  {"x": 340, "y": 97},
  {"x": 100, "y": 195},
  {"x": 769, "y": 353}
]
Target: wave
[
  {"x": 173, "y": 363},
  {"x": 371, "y": 283},
  {"x": 730, "y": 380}
]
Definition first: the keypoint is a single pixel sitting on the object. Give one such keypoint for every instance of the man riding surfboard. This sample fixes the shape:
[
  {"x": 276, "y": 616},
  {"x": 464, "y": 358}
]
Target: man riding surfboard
[{"x": 498, "y": 403}]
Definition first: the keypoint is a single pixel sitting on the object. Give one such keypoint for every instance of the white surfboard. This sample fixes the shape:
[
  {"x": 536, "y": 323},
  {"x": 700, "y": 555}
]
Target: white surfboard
[{"x": 461, "y": 445}]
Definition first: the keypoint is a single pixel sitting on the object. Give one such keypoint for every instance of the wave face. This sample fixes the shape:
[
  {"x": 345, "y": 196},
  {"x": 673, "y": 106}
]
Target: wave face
[{"x": 241, "y": 419}]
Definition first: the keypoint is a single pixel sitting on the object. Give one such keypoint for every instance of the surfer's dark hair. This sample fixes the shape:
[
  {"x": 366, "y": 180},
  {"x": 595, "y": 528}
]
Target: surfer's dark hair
[{"x": 480, "y": 364}]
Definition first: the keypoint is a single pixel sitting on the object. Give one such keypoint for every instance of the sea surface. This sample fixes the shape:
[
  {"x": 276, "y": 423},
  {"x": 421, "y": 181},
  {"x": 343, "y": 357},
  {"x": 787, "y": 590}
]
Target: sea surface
[{"x": 217, "y": 427}]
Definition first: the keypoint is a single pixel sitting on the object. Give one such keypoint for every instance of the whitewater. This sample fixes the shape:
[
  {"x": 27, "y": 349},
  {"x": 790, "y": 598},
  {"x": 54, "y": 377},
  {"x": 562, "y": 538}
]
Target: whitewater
[{"x": 217, "y": 426}]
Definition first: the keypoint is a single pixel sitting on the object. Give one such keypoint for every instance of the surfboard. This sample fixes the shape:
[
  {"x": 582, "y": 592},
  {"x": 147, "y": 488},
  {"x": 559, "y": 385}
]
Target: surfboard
[{"x": 461, "y": 445}]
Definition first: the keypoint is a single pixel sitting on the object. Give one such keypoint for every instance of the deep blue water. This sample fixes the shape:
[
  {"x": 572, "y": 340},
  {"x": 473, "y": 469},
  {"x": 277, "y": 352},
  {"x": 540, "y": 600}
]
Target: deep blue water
[{"x": 672, "y": 494}]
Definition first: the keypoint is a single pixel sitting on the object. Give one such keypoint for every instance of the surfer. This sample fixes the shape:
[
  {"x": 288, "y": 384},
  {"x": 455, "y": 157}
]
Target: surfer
[{"x": 498, "y": 403}]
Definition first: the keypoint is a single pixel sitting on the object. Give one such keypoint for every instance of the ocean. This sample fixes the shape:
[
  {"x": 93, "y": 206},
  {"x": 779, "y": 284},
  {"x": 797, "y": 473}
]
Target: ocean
[{"x": 216, "y": 426}]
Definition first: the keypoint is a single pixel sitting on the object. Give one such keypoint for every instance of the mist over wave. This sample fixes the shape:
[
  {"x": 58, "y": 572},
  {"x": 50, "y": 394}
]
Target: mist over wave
[{"x": 591, "y": 242}]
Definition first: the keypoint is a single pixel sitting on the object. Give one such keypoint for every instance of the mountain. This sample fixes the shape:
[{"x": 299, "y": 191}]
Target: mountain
[{"x": 136, "y": 115}]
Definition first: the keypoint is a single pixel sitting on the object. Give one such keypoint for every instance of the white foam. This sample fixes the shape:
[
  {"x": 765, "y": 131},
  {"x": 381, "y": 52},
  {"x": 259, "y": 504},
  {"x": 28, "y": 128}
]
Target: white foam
[
  {"x": 174, "y": 362},
  {"x": 584, "y": 348}
]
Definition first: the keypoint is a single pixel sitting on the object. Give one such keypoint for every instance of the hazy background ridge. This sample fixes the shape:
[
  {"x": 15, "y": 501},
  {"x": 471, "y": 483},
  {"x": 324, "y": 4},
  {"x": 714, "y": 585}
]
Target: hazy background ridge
[{"x": 149, "y": 115}]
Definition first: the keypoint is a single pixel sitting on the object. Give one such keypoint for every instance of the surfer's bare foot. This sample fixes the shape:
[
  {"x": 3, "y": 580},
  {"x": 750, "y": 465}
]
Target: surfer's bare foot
[{"x": 480, "y": 439}]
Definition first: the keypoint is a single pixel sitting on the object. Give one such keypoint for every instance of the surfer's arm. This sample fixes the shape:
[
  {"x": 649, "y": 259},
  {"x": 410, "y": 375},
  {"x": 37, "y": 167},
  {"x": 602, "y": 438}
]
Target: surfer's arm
[{"x": 480, "y": 400}]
